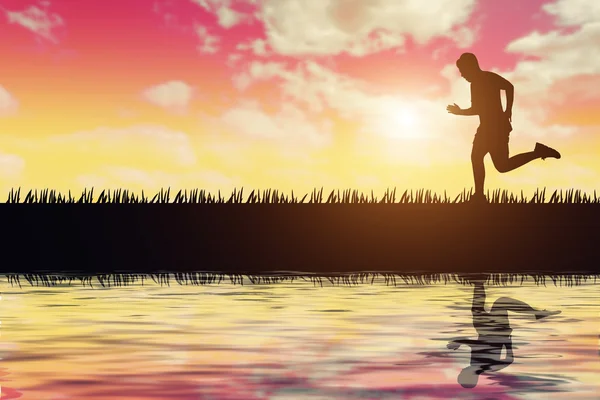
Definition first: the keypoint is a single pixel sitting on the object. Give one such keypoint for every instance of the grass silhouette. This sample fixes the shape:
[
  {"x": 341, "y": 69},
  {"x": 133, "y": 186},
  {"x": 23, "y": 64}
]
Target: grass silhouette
[
  {"x": 411, "y": 233},
  {"x": 270, "y": 196}
]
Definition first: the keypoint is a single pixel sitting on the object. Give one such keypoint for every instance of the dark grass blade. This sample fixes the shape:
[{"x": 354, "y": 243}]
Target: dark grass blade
[{"x": 274, "y": 196}]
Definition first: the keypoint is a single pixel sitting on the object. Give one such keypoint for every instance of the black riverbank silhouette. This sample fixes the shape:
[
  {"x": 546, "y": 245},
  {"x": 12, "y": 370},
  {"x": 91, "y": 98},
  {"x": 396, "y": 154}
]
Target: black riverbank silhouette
[{"x": 321, "y": 238}]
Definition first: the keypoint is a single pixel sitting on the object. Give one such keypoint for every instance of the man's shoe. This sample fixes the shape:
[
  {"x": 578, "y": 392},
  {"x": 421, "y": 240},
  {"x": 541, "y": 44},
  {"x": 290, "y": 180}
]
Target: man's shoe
[
  {"x": 478, "y": 199},
  {"x": 544, "y": 151}
]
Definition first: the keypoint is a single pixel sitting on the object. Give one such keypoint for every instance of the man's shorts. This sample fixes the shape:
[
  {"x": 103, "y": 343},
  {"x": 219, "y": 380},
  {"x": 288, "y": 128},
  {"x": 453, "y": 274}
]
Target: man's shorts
[{"x": 492, "y": 138}]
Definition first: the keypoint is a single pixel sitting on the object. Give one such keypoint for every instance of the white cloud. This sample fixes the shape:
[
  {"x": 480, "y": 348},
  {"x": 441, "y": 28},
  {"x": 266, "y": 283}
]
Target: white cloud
[
  {"x": 258, "y": 71},
  {"x": 209, "y": 43},
  {"x": 242, "y": 81},
  {"x": 582, "y": 88},
  {"x": 11, "y": 166},
  {"x": 464, "y": 37},
  {"x": 173, "y": 95},
  {"x": 141, "y": 142},
  {"x": 562, "y": 54},
  {"x": 574, "y": 12},
  {"x": 320, "y": 88},
  {"x": 8, "y": 104},
  {"x": 36, "y": 20},
  {"x": 356, "y": 27},
  {"x": 258, "y": 47},
  {"x": 226, "y": 15},
  {"x": 289, "y": 127},
  {"x": 376, "y": 42},
  {"x": 563, "y": 58},
  {"x": 300, "y": 27},
  {"x": 233, "y": 59}
]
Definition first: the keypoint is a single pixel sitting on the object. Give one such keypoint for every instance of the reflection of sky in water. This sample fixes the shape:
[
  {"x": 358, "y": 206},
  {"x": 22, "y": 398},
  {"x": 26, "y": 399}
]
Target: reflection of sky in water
[{"x": 286, "y": 341}]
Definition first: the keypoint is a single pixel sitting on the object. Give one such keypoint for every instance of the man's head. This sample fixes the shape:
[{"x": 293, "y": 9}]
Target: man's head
[
  {"x": 469, "y": 376},
  {"x": 468, "y": 66}
]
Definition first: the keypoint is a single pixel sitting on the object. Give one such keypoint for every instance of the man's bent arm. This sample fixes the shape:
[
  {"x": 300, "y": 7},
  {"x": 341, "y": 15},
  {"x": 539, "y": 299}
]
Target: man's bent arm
[
  {"x": 509, "y": 359},
  {"x": 510, "y": 96},
  {"x": 504, "y": 84},
  {"x": 509, "y": 352}
]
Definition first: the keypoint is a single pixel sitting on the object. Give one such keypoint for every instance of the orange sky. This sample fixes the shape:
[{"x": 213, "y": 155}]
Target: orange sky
[{"x": 288, "y": 94}]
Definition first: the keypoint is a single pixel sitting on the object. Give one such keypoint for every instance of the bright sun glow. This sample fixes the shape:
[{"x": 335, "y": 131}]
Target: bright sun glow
[
  {"x": 404, "y": 122},
  {"x": 406, "y": 119}
]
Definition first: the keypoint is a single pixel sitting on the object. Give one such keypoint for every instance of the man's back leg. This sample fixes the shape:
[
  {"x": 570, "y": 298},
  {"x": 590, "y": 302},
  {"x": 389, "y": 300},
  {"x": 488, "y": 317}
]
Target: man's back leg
[
  {"x": 504, "y": 163},
  {"x": 504, "y": 304}
]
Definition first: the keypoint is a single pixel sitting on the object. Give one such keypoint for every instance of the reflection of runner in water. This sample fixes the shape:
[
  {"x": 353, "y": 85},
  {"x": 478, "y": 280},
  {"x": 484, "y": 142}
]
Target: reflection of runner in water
[{"x": 494, "y": 333}]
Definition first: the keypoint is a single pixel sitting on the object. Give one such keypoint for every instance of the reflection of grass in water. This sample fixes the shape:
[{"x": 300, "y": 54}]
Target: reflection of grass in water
[
  {"x": 208, "y": 278},
  {"x": 270, "y": 196}
]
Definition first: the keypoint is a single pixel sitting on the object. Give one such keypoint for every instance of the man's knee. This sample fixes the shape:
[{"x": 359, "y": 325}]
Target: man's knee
[
  {"x": 502, "y": 304},
  {"x": 503, "y": 300},
  {"x": 500, "y": 162},
  {"x": 501, "y": 166}
]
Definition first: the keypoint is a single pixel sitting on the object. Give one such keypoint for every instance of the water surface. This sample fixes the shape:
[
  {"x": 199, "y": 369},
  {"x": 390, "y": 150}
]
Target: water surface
[{"x": 286, "y": 341}]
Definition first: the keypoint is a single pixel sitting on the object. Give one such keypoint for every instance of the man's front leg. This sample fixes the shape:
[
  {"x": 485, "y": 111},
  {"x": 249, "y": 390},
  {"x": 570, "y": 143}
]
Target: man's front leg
[{"x": 477, "y": 156}]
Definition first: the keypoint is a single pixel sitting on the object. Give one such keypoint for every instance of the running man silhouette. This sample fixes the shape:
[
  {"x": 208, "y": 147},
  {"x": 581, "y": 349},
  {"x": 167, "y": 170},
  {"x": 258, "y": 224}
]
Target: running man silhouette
[
  {"x": 494, "y": 123},
  {"x": 494, "y": 333}
]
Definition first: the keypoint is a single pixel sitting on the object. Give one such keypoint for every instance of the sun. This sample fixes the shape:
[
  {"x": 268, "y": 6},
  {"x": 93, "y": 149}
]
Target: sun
[
  {"x": 401, "y": 119},
  {"x": 406, "y": 119},
  {"x": 404, "y": 123}
]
